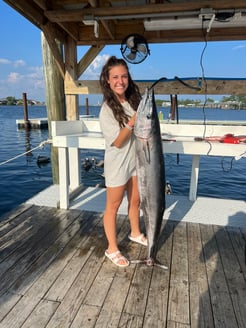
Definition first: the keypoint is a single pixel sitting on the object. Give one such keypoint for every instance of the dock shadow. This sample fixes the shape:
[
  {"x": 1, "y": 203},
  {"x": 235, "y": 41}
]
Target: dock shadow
[
  {"x": 38, "y": 238},
  {"x": 222, "y": 303},
  {"x": 176, "y": 209}
]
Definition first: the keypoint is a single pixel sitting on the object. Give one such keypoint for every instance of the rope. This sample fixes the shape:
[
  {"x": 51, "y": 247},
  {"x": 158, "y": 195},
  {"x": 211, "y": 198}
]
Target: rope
[{"x": 41, "y": 145}]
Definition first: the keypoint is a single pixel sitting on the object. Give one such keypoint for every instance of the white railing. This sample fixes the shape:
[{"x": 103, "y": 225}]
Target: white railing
[{"x": 70, "y": 136}]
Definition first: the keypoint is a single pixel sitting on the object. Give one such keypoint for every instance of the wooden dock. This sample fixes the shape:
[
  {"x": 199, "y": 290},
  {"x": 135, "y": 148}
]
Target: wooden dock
[
  {"x": 34, "y": 123},
  {"x": 54, "y": 274}
]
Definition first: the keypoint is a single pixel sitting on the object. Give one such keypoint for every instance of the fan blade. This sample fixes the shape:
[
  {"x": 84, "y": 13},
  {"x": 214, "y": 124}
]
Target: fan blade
[
  {"x": 131, "y": 55},
  {"x": 130, "y": 42},
  {"x": 142, "y": 48}
]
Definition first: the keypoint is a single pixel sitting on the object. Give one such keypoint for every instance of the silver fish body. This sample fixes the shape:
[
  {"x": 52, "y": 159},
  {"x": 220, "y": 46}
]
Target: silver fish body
[{"x": 150, "y": 170}]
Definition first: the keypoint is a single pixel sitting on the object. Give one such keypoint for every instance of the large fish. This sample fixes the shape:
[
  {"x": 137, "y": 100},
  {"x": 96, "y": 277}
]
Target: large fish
[{"x": 150, "y": 171}]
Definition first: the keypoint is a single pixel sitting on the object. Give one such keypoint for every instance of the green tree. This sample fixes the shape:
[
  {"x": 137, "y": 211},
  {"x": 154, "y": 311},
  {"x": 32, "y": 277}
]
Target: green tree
[{"x": 11, "y": 100}]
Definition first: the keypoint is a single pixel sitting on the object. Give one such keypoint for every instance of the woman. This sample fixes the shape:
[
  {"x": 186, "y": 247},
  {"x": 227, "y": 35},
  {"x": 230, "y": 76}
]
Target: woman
[{"x": 121, "y": 98}]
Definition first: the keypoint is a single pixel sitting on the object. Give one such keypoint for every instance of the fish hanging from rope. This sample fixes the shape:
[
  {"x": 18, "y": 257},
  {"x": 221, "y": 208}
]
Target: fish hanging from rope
[{"x": 150, "y": 172}]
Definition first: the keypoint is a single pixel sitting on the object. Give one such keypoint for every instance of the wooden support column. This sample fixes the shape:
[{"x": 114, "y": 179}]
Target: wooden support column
[
  {"x": 55, "y": 99},
  {"x": 72, "y": 106}
]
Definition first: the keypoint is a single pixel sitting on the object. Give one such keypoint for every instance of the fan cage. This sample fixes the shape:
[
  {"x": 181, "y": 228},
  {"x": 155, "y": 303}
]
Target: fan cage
[{"x": 134, "y": 48}]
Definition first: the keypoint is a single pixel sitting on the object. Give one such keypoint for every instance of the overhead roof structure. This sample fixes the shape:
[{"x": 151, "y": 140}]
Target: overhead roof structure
[
  {"x": 101, "y": 22},
  {"x": 97, "y": 23}
]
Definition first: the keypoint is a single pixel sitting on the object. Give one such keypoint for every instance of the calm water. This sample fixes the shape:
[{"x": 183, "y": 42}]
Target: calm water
[{"x": 22, "y": 178}]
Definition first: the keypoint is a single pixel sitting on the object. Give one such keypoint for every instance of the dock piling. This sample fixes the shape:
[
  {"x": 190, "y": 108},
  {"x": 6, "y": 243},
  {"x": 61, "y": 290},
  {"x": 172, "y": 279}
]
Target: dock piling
[
  {"x": 25, "y": 107},
  {"x": 87, "y": 106}
]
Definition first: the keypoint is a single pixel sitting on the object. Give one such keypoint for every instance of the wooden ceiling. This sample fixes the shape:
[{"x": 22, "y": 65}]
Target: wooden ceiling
[{"x": 105, "y": 22}]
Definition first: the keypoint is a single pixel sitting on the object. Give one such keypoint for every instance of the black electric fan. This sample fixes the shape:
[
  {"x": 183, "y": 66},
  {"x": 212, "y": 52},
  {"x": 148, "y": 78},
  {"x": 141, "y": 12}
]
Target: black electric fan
[{"x": 134, "y": 48}]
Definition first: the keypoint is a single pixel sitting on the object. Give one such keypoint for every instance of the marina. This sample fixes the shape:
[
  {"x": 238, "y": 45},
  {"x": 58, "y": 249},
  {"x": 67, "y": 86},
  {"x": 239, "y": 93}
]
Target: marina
[
  {"x": 53, "y": 268},
  {"x": 54, "y": 272}
]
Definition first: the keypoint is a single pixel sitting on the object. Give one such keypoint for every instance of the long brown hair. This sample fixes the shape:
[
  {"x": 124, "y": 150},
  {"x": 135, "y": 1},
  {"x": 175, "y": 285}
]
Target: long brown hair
[{"x": 132, "y": 94}]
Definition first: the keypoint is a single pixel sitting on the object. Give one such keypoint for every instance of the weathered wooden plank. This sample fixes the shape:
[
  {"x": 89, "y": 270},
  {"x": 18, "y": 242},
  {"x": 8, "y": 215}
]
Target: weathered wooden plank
[
  {"x": 12, "y": 215},
  {"x": 17, "y": 225},
  {"x": 14, "y": 247},
  {"x": 157, "y": 304},
  {"x": 173, "y": 324},
  {"x": 233, "y": 274},
  {"x": 129, "y": 320},
  {"x": 70, "y": 261},
  {"x": 36, "y": 246},
  {"x": 67, "y": 282},
  {"x": 23, "y": 283},
  {"x": 79, "y": 289},
  {"x": 178, "y": 307},
  {"x": 201, "y": 312},
  {"x": 223, "y": 313},
  {"x": 102, "y": 283},
  {"x": 41, "y": 314},
  {"x": 23, "y": 232},
  {"x": 17, "y": 316},
  {"x": 86, "y": 317},
  {"x": 75, "y": 296},
  {"x": 238, "y": 240},
  {"x": 115, "y": 299},
  {"x": 7, "y": 302},
  {"x": 50, "y": 265},
  {"x": 138, "y": 291},
  {"x": 38, "y": 290}
]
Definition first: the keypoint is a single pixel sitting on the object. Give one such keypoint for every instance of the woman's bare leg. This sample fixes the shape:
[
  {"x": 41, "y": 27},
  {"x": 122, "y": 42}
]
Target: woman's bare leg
[
  {"x": 133, "y": 206},
  {"x": 114, "y": 199}
]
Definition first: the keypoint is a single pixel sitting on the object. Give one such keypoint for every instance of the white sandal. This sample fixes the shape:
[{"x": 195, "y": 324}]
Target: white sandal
[
  {"x": 141, "y": 239},
  {"x": 116, "y": 257}
]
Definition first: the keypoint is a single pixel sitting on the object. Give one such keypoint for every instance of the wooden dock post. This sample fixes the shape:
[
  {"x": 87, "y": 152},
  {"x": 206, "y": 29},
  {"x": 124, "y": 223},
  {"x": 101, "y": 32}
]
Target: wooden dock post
[
  {"x": 173, "y": 106},
  {"x": 87, "y": 106},
  {"x": 25, "y": 107},
  {"x": 55, "y": 98}
]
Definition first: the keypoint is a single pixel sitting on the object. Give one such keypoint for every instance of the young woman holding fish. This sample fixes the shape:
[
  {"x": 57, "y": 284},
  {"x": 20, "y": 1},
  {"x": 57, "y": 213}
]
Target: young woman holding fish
[{"x": 121, "y": 98}]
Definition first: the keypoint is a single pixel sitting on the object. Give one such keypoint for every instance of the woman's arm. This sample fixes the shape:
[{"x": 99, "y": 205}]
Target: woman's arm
[{"x": 125, "y": 133}]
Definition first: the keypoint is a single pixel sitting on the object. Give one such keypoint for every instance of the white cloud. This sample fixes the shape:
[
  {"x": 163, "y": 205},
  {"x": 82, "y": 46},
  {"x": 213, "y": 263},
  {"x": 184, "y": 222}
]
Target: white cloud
[
  {"x": 19, "y": 63},
  {"x": 15, "y": 63},
  {"x": 5, "y": 61},
  {"x": 14, "y": 77},
  {"x": 23, "y": 79},
  {"x": 99, "y": 61},
  {"x": 240, "y": 46},
  {"x": 94, "y": 70}
]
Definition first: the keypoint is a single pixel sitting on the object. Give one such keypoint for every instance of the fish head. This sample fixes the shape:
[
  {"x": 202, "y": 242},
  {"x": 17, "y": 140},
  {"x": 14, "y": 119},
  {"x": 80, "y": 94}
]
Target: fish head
[{"x": 145, "y": 116}]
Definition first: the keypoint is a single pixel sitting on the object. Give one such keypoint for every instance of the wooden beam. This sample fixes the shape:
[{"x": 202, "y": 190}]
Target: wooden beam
[
  {"x": 121, "y": 29},
  {"x": 71, "y": 29},
  {"x": 30, "y": 10},
  {"x": 106, "y": 25},
  {"x": 88, "y": 58},
  {"x": 79, "y": 88},
  {"x": 194, "y": 86},
  {"x": 134, "y": 11}
]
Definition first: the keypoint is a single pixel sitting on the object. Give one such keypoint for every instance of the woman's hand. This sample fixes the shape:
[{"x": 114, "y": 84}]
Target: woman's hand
[
  {"x": 132, "y": 119},
  {"x": 125, "y": 133}
]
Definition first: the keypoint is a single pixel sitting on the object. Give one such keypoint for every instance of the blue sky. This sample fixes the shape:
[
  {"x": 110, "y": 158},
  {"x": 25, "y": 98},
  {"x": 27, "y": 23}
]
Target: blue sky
[{"x": 21, "y": 59}]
